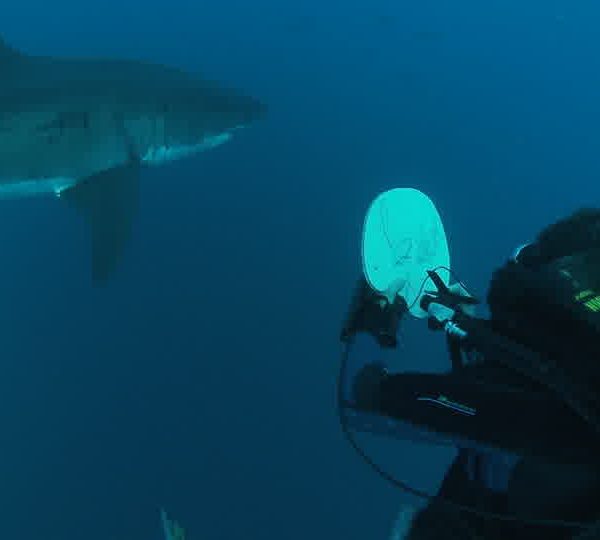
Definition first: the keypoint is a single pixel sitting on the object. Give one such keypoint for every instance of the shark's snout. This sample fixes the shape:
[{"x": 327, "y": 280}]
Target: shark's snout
[
  {"x": 238, "y": 110},
  {"x": 255, "y": 110}
]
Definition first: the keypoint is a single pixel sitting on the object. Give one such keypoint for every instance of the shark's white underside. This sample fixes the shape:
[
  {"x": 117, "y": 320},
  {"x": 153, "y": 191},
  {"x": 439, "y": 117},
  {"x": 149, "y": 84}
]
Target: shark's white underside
[
  {"x": 35, "y": 187},
  {"x": 162, "y": 154}
]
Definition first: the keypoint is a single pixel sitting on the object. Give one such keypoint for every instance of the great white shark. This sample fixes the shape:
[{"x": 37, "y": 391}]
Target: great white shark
[{"x": 81, "y": 130}]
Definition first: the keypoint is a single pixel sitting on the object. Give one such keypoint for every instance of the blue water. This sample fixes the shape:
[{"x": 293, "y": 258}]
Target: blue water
[{"x": 202, "y": 377}]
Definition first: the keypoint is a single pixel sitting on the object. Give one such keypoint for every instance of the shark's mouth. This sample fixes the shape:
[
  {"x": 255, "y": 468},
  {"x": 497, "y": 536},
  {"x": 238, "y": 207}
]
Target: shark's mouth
[{"x": 156, "y": 155}]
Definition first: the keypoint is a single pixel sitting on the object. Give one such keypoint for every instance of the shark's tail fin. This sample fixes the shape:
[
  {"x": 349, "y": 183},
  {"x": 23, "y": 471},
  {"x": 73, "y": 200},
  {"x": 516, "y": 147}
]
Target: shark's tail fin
[
  {"x": 7, "y": 52},
  {"x": 171, "y": 529}
]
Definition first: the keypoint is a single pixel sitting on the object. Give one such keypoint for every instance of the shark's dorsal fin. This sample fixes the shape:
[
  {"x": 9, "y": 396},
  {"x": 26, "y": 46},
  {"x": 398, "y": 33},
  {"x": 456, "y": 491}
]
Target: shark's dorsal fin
[{"x": 109, "y": 201}]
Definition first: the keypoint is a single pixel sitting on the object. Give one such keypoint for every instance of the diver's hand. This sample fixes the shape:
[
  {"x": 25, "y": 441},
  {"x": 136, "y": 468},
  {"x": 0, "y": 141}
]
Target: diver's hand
[
  {"x": 371, "y": 313},
  {"x": 459, "y": 289},
  {"x": 442, "y": 308}
]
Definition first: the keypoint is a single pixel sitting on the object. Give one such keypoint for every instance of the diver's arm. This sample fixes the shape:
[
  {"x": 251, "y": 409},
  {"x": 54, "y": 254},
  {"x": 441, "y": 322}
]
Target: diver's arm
[
  {"x": 474, "y": 409},
  {"x": 371, "y": 327},
  {"x": 481, "y": 406}
]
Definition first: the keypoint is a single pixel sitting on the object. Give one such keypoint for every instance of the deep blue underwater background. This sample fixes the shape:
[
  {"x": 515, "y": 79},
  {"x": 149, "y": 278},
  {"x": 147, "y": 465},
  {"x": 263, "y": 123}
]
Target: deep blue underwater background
[{"x": 202, "y": 377}]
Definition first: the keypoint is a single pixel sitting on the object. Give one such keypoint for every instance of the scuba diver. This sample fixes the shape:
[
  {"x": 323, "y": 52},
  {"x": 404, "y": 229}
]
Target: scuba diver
[{"x": 512, "y": 420}]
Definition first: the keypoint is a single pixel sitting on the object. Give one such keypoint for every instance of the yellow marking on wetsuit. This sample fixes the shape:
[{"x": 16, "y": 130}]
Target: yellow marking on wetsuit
[
  {"x": 593, "y": 304},
  {"x": 589, "y": 299},
  {"x": 584, "y": 295}
]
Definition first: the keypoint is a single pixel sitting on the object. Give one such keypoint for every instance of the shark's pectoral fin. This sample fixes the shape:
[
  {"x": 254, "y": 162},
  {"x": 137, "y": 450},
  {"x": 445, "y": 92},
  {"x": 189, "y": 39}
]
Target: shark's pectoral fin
[{"x": 109, "y": 200}]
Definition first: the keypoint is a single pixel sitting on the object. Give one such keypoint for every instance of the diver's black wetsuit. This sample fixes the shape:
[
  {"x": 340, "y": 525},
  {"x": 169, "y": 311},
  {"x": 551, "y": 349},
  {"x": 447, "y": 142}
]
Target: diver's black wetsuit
[
  {"x": 484, "y": 401},
  {"x": 481, "y": 407},
  {"x": 548, "y": 498},
  {"x": 555, "y": 476},
  {"x": 489, "y": 405},
  {"x": 528, "y": 422}
]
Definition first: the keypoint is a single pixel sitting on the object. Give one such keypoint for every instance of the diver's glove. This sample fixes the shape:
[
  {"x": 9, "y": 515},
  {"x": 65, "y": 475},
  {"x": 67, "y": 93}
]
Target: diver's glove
[{"x": 372, "y": 313}]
